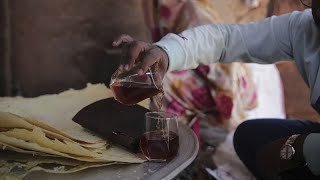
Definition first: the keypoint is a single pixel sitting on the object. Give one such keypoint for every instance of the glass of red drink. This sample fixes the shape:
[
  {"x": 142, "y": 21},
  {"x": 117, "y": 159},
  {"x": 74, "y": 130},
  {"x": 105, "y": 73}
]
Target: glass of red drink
[
  {"x": 130, "y": 88},
  {"x": 160, "y": 142}
]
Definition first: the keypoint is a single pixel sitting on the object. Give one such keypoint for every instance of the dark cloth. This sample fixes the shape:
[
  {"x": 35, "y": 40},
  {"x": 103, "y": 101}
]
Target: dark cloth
[{"x": 252, "y": 135}]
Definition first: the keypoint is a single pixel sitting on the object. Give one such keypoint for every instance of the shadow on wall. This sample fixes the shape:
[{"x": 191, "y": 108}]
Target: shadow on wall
[{"x": 57, "y": 45}]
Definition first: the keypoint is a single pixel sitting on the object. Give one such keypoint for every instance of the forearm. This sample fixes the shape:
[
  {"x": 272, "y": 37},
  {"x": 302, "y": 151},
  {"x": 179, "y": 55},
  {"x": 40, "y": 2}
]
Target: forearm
[
  {"x": 200, "y": 45},
  {"x": 266, "y": 41}
]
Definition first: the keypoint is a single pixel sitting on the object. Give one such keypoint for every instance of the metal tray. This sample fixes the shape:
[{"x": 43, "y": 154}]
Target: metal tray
[{"x": 187, "y": 152}]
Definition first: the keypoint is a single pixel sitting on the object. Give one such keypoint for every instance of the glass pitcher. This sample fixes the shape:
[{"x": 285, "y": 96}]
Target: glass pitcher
[{"x": 130, "y": 88}]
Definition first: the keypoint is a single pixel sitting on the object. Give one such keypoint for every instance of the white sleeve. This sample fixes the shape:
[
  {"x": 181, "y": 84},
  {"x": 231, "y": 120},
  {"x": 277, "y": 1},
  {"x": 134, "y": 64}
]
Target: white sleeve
[{"x": 265, "y": 41}]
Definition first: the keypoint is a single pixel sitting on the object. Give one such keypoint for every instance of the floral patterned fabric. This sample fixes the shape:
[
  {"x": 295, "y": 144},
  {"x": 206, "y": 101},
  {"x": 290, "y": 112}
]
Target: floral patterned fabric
[
  {"x": 174, "y": 16},
  {"x": 218, "y": 93}
]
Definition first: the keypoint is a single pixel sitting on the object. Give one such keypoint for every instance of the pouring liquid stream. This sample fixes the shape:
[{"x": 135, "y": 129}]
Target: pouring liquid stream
[{"x": 163, "y": 126}]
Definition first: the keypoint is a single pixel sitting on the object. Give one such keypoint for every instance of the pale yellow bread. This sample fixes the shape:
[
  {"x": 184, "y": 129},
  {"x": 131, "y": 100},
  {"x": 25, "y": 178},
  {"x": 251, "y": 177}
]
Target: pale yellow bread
[
  {"x": 37, "y": 136},
  {"x": 55, "y": 112},
  {"x": 112, "y": 153},
  {"x": 10, "y": 121}
]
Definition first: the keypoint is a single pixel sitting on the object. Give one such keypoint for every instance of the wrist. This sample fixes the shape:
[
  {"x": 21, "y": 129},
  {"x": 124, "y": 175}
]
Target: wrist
[
  {"x": 164, "y": 59},
  {"x": 298, "y": 146},
  {"x": 292, "y": 149},
  {"x": 174, "y": 51}
]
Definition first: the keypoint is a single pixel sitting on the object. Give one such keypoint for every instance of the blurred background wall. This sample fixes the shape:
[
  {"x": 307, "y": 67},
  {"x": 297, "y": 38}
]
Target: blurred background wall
[
  {"x": 5, "y": 69},
  {"x": 50, "y": 46},
  {"x": 56, "y": 45}
]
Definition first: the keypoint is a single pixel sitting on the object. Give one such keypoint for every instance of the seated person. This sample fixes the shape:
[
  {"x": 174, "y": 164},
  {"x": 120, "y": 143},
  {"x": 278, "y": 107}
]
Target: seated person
[{"x": 292, "y": 146}]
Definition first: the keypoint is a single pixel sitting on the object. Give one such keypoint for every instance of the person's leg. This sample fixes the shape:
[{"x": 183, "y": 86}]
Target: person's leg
[{"x": 251, "y": 135}]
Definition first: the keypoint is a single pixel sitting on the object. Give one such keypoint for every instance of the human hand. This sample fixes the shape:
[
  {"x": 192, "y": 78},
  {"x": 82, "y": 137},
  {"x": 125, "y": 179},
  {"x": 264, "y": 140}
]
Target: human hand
[{"x": 141, "y": 55}]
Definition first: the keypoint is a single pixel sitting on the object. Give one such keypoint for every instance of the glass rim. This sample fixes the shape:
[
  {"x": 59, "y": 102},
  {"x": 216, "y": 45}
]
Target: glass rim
[
  {"x": 126, "y": 76},
  {"x": 160, "y": 115}
]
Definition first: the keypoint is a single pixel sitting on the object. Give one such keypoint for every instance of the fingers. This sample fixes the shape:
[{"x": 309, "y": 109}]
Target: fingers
[
  {"x": 133, "y": 51},
  {"x": 124, "y": 38},
  {"x": 151, "y": 57}
]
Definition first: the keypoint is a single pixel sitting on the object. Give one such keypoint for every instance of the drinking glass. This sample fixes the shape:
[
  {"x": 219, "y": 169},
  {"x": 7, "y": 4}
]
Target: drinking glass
[{"x": 160, "y": 142}]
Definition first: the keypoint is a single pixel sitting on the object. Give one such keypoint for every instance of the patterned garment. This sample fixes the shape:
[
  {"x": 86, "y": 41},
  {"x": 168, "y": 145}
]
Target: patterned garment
[
  {"x": 220, "y": 94},
  {"x": 174, "y": 16}
]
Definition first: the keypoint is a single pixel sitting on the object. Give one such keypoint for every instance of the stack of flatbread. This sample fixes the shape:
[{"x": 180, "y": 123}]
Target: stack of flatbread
[{"x": 39, "y": 134}]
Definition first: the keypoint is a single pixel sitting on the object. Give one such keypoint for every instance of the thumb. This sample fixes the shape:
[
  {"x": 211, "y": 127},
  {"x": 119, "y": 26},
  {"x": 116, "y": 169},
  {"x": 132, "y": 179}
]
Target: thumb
[{"x": 124, "y": 38}]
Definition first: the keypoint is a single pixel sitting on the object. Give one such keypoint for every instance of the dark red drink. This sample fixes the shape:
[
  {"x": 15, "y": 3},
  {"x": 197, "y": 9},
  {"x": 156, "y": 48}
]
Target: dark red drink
[
  {"x": 132, "y": 93},
  {"x": 159, "y": 145}
]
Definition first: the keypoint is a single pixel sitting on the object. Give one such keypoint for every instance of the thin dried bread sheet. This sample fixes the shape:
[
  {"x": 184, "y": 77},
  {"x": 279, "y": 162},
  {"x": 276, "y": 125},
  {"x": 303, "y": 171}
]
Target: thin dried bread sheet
[
  {"x": 21, "y": 144},
  {"x": 55, "y": 112},
  {"x": 17, "y": 165},
  {"x": 37, "y": 136},
  {"x": 112, "y": 153},
  {"x": 7, "y": 147},
  {"x": 10, "y": 121}
]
